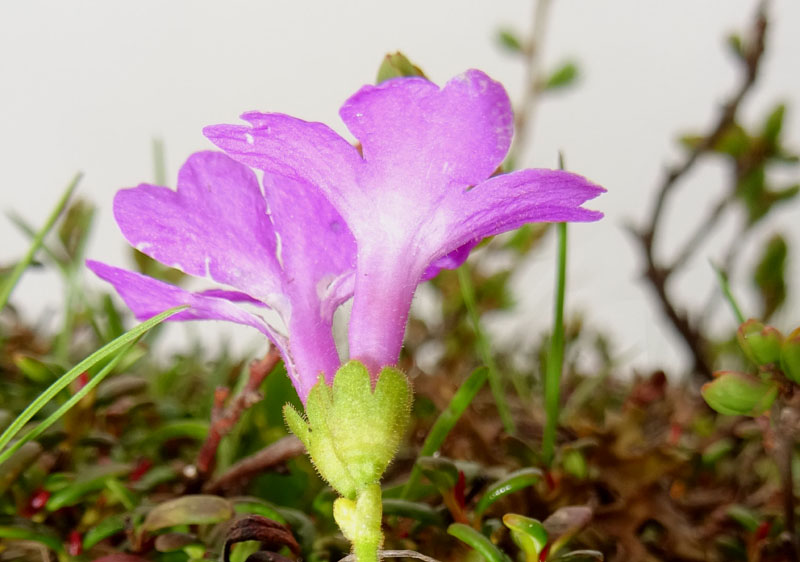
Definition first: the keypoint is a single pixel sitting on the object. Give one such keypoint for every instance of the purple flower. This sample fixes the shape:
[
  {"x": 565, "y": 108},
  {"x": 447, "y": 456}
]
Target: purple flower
[
  {"x": 285, "y": 249},
  {"x": 421, "y": 196}
]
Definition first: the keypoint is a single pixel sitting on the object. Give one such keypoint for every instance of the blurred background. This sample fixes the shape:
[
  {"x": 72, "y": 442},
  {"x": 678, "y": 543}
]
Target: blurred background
[{"x": 89, "y": 85}]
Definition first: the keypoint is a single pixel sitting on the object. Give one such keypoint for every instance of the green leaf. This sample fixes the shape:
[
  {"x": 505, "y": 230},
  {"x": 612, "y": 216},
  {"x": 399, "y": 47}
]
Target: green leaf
[
  {"x": 574, "y": 462},
  {"x": 397, "y": 65},
  {"x": 514, "y": 482},
  {"x": 717, "y": 451},
  {"x": 91, "y": 480},
  {"x": 790, "y": 356},
  {"x": 179, "y": 429},
  {"x": 25, "y": 530},
  {"x": 35, "y": 369},
  {"x": 188, "y": 510},
  {"x": 773, "y": 124},
  {"x": 107, "y": 527},
  {"x": 528, "y": 534},
  {"x": 257, "y": 506},
  {"x": 770, "y": 275},
  {"x": 509, "y": 41},
  {"x": 744, "y": 516},
  {"x": 441, "y": 471},
  {"x": 417, "y": 511},
  {"x": 477, "y": 541},
  {"x": 563, "y": 76},
  {"x": 565, "y": 523},
  {"x": 739, "y": 394},
  {"x": 736, "y": 45},
  {"x": 9, "y": 283}
]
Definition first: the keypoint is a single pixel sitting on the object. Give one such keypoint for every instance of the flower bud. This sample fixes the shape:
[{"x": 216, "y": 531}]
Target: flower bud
[
  {"x": 739, "y": 394},
  {"x": 761, "y": 344}
]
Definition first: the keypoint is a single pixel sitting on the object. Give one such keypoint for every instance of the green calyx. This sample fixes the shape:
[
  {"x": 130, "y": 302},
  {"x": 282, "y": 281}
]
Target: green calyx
[{"x": 352, "y": 432}]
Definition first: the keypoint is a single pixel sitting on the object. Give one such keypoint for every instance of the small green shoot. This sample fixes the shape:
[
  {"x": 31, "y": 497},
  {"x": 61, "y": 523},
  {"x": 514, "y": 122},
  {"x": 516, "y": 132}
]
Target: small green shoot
[
  {"x": 8, "y": 287},
  {"x": 485, "y": 349},
  {"x": 555, "y": 359}
]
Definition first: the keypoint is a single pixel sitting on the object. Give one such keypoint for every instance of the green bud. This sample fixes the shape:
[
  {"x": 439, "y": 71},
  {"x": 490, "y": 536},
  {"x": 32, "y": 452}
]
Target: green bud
[
  {"x": 528, "y": 534},
  {"x": 761, "y": 344},
  {"x": 396, "y": 65},
  {"x": 352, "y": 432},
  {"x": 360, "y": 520},
  {"x": 790, "y": 356},
  {"x": 739, "y": 394}
]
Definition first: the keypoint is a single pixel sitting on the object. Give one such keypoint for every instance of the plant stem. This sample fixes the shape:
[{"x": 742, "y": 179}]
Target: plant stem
[
  {"x": 360, "y": 522},
  {"x": 787, "y": 419},
  {"x": 555, "y": 359},
  {"x": 523, "y": 122}
]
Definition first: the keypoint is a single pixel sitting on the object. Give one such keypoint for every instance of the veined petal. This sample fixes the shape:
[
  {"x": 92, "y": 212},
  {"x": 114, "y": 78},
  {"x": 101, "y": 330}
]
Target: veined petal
[
  {"x": 297, "y": 149},
  {"x": 506, "y": 202},
  {"x": 423, "y": 141},
  {"x": 147, "y": 297},
  {"x": 316, "y": 245},
  {"x": 215, "y": 225},
  {"x": 317, "y": 248},
  {"x": 305, "y": 355}
]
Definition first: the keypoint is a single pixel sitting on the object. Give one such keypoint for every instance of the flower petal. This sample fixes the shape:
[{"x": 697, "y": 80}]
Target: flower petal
[
  {"x": 147, "y": 297},
  {"x": 317, "y": 252},
  {"x": 290, "y": 147},
  {"x": 453, "y": 260},
  {"x": 316, "y": 245},
  {"x": 387, "y": 277},
  {"x": 506, "y": 202},
  {"x": 215, "y": 225},
  {"x": 416, "y": 137}
]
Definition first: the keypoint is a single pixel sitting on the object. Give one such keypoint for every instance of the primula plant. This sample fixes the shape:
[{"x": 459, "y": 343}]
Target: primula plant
[
  {"x": 331, "y": 221},
  {"x": 396, "y": 431}
]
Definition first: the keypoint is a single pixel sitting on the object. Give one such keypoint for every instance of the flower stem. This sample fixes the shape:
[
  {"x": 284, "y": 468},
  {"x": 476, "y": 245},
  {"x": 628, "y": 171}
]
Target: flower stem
[{"x": 360, "y": 522}]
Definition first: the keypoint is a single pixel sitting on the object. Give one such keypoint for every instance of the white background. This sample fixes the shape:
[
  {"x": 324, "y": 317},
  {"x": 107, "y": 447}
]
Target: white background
[{"x": 86, "y": 85}]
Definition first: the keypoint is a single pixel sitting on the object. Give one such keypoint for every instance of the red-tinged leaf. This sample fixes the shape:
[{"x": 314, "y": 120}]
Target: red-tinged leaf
[{"x": 458, "y": 491}]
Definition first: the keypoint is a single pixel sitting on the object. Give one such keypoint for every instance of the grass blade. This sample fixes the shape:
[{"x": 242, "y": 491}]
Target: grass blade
[
  {"x": 484, "y": 349},
  {"x": 38, "y": 240},
  {"x": 445, "y": 422},
  {"x": 555, "y": 359},
  {"x": 105, "y": 351},
  {"x": 66, "y": 406}
]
